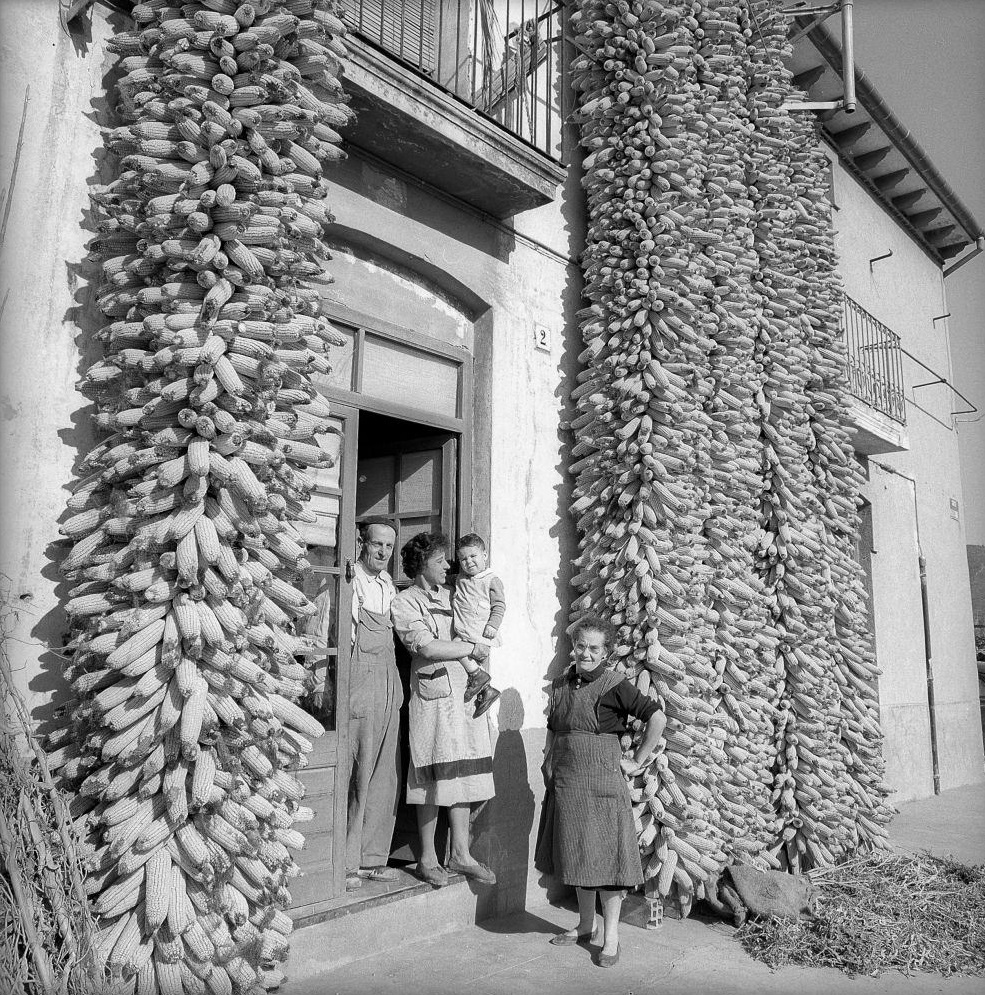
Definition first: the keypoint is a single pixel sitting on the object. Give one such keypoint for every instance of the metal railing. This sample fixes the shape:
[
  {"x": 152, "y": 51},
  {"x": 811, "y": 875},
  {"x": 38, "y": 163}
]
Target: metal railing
[
  {"x": 875, "y": 361},
  {"x": 504, "y": 58}
]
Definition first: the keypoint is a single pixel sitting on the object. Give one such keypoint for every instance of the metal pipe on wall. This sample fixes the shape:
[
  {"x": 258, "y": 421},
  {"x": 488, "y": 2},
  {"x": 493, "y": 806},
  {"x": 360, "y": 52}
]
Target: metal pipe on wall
[{"x": 848, "y": 48}]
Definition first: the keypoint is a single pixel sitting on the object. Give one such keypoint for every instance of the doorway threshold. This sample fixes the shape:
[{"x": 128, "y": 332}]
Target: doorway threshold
[{"x": 371, "y": 895}]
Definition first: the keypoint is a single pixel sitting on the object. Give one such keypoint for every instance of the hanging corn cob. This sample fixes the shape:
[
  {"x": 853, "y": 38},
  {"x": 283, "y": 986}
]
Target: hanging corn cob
[
  {"x": 698, "y": 494},
  {"x": 185, "y": 551}
]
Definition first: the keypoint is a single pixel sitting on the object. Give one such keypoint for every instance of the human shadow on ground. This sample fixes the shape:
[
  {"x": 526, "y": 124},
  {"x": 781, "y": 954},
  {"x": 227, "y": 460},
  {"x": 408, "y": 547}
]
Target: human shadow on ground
[{"x": 502, "y": 829}]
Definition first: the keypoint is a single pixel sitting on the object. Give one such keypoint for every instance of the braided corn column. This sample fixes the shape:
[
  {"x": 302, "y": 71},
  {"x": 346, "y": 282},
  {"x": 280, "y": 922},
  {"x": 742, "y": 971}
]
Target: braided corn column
[
  {"x": 791, "y": 506},
  {"x": 744, "y": 642},
  {"x": 715, "y": 504},
  {"x": 186, "y": 533}
]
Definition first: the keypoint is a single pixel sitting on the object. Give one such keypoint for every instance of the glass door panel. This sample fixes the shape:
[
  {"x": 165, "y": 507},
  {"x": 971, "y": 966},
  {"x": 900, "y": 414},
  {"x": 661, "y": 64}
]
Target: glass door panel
[
  {"x": 412, "y": 483},
  {"x": 328, "y": 586},
  {"x": 324, "y": 583}
]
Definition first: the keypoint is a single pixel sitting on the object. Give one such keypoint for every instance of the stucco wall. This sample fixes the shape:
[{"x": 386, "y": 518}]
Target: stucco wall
[
  {"x": 906, "y": 292},
  {"x": 506, "y": 282},
  {"x": 46, "y": 301}
]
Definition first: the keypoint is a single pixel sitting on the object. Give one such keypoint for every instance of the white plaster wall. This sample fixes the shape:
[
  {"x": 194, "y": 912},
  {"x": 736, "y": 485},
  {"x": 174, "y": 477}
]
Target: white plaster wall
[
  {"x": 906, "y": 292},
  {"x": 512, "y": 282},
  {"x": 44, "y": 303}
]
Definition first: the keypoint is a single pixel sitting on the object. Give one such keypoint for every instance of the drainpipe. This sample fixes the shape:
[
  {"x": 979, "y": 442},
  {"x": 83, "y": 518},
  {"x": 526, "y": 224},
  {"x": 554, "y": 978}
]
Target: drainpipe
[
  {"x": 925, "y": 609},
  {"x": 848, "y": 48},
  {"x": 931, "y": 701}
]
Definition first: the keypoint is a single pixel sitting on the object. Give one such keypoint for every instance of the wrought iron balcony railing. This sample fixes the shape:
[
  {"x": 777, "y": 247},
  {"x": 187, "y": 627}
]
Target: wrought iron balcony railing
[
  {"x": 875, "y": 361},
  {"x": 504, "y": 58}
]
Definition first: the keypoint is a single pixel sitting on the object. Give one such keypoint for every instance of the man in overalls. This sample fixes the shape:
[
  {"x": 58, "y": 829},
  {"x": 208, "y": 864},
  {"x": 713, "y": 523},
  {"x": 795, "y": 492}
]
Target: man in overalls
[{"x": 375, "y": 696}]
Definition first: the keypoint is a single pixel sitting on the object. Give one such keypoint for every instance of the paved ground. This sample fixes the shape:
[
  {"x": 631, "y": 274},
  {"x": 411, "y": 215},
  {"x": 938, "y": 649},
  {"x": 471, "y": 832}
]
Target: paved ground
[{"x": 511, "y": 956}]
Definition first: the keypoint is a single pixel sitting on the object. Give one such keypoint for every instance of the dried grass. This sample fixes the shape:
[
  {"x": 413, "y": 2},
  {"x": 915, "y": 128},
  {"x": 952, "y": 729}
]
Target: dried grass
[
  {"x": 46, "y": 929},
  {"x": 881, "y": 912}
]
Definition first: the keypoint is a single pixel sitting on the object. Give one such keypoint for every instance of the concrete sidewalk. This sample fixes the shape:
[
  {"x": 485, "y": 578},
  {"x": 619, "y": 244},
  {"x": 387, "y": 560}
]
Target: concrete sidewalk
[{"x": 693, "y": 957}]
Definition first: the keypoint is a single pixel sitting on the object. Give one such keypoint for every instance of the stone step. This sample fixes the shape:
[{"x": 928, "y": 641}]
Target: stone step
[{"x": 378, "y": 919}]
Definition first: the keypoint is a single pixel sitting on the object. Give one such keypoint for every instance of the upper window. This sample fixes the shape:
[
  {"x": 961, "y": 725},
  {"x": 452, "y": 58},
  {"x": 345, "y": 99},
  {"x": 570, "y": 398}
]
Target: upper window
[{"x": 399, "y": 372}]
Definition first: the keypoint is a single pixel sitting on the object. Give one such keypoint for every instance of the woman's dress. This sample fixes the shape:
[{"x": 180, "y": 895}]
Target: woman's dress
[
  {"x": 587, "y": 837},
  {"x": 450, "y": 752}
]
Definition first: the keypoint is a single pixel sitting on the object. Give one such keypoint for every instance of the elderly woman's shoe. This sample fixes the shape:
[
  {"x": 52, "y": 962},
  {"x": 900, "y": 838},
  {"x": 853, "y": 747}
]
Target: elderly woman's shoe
[
  {"x": 569, "y": 940},
  {"x": 608, "y": 960}
]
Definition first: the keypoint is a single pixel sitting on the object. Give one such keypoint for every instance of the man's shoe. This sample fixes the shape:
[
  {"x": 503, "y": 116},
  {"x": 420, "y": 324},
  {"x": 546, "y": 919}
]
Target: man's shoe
[
  {"x": 381, "y": 873},
  {"x": 352, "y": 881},
  {"x": 487, "y": 696},
  {"x": 432, "y": 874},
  {"x": 478, "y": 679}
]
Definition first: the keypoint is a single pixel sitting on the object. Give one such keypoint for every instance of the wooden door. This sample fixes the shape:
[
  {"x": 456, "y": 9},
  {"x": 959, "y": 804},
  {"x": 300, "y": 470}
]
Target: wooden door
[
  {"x": 331, "y": 543},
  {"x": 412, "y": 484}
]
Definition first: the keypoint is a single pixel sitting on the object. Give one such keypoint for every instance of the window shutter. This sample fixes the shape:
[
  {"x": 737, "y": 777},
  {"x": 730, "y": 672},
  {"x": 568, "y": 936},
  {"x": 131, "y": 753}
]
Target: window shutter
[{"x": 405, "y": 28}]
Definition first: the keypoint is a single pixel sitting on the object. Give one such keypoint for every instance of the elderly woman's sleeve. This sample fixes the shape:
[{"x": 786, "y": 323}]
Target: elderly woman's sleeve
[
  {"x": 627, "y": 699},
  {"x": 410, "y": 624}
]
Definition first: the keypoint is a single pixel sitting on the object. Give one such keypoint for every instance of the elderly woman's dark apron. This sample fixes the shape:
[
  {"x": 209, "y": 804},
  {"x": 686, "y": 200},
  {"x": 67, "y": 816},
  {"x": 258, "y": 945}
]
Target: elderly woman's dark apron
[{"x": 587, "y": 837}]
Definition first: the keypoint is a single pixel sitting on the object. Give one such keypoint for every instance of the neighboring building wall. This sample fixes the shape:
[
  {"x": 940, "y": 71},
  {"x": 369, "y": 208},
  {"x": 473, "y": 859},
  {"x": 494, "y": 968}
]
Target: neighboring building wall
[{"x": 906, "y": 292}]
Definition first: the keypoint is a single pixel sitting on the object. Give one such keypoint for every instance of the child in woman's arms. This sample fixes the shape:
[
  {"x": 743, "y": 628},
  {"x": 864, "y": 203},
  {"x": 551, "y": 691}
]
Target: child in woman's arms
[{"x": 478, "y": 605}]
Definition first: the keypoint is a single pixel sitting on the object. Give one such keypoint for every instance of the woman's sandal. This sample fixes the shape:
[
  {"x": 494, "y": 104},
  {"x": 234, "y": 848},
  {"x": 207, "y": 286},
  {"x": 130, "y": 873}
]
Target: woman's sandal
[
  {"x": 477, "y": 872},
  {"x": 435, "y": 875},
  {"x": 567, "y": 940}
]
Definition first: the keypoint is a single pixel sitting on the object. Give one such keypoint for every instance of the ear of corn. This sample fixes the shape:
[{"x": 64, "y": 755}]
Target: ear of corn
[
  {"x": 177, "y": 749},
  {"x": 715, "y": 500}
]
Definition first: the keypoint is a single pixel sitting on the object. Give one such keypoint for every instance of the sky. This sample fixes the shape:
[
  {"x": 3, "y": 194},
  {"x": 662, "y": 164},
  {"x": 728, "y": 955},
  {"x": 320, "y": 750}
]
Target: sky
[{"x": 927, "y": 59}]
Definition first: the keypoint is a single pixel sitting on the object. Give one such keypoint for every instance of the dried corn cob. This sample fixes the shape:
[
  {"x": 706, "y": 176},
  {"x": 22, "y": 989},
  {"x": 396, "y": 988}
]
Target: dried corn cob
[{"x": 180, "y": 714}]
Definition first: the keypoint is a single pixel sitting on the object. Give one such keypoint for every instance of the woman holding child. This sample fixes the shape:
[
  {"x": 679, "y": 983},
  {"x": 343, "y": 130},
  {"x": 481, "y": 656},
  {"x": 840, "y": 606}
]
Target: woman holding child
[{"x": 450, "y": 753}]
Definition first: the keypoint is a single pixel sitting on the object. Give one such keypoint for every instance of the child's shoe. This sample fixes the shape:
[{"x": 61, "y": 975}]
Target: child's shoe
[
  {"x": 478, "y": 679},
  {"x": 485, "y": 700}
]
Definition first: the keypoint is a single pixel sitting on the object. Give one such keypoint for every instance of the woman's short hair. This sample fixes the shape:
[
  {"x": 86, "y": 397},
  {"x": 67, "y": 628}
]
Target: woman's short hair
[
  {"x": 595, "y": 623},
  {"x": 415, "y": 553}
]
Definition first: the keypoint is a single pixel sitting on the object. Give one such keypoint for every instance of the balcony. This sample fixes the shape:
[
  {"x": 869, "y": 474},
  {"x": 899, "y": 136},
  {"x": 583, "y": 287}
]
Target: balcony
[
  {"x": 875, "y": 377},
  {"x": 468, "y": 95}
]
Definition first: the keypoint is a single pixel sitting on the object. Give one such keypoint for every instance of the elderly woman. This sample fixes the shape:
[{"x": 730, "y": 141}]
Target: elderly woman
[
  {"x": 450, "y": 755},
  {"x": 590, "y": 843}
]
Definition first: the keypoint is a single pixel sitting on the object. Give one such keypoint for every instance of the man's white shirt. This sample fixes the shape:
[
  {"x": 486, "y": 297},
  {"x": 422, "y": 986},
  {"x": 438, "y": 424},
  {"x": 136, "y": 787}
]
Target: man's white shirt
[{"x": 374, "y": 593}]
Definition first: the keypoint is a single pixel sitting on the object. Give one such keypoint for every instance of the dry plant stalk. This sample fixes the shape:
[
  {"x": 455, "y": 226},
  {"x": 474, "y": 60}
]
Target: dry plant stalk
[
  {"x": 46, "y": 928},
  {"x": 883, "y": 912}
]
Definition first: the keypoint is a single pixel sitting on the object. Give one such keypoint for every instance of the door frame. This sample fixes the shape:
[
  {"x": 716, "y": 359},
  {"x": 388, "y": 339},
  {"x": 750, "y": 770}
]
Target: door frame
[
  {"x": 461, "y": 425},
  {"x": 333, "y": 745}
]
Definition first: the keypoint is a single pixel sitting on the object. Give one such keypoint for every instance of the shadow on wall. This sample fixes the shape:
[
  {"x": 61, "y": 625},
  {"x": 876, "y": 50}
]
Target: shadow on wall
[
  {"x": 572, "y": 200},
  {"x": 83, "y": 279},
  {"x": 502, "y": 828}
]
